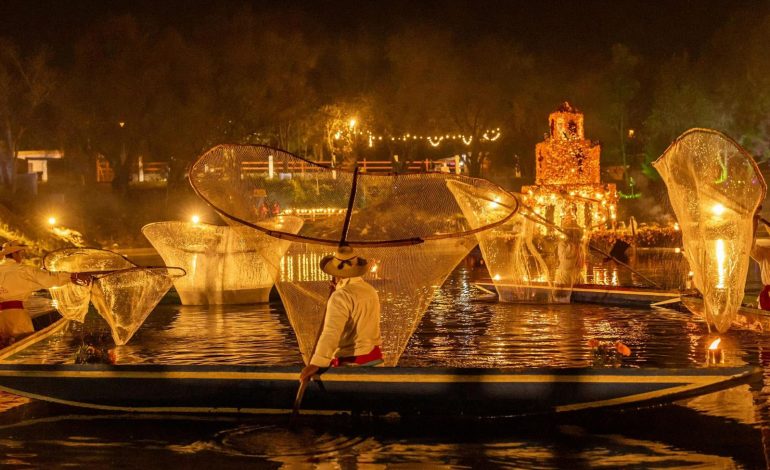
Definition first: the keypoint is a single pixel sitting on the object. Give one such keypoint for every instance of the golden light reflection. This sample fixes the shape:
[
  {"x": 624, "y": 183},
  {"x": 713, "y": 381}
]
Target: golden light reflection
[{"x": 721, "y": 257}]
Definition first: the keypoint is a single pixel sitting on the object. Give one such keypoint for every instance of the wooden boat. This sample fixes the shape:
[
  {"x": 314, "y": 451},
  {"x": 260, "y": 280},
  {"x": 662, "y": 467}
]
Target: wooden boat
[
  {"x": 446, "y": 392},
  {"x": 406, "y": 391},
  {"x": 597, "y": 294},
  {"x": 748, "y": 317}
]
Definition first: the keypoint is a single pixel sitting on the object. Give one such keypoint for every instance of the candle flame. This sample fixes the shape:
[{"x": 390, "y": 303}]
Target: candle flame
[{"x": 715, "y": 344}]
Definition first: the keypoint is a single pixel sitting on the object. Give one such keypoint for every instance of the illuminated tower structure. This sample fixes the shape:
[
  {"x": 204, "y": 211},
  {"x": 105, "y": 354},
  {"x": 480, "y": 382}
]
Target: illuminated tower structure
[{"x": 568, "y": 175}]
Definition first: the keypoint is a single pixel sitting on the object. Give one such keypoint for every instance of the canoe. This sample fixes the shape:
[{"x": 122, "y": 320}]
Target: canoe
[
  {"x": 747, "y": 318},
  {"x": 405, "y": 391},
  {"x": 596, "y": 294}
]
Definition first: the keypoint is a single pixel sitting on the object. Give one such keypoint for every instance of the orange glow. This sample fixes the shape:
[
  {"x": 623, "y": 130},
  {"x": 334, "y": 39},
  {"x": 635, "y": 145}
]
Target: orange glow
[{"x": 715, "y": 344}]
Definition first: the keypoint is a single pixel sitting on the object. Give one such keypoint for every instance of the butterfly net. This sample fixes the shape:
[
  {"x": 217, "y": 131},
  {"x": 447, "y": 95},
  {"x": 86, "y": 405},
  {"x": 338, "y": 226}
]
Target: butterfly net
[
  {"x": 125, "y": 298},
  {"x": 410, "y": 225},
  {"x": 224, "y": 265},
  {"x": 406, "y": 279},
  {"x": 251, "y": 184},
  {"x": 122, "y": 293},
  {"x": 715, "y": 188},
  {"x": 72, "y": 300},
  {"x": 528, "y": 259}
]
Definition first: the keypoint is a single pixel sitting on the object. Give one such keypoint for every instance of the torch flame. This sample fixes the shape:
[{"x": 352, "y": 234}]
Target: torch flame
[{"x": 715, "y": 344}]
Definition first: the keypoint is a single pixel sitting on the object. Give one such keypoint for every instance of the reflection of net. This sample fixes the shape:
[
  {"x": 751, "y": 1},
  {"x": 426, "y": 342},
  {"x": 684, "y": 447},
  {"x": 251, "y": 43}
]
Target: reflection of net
[
  {"x": 406, "y": 279},
  {"x": 123, "y": 293},
  {"x": 71, "y": 300},
  {"x": 714, "y": 187},
  {"x": 523, "y": 263},
  {"x": 224, "y": 265},
  {"x": 242, "y": 182},
  {"x": 125, "y": 298}
]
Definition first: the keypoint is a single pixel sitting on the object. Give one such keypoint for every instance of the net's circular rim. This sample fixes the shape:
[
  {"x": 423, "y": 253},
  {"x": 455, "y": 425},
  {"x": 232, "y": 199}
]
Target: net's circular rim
[
  {"x": 101, "y": 274},
  {"x": 75, "y": 249},
  {"x": 704, "y": 130},
  {"x": 177, "y": 271},
  {"x": 324, "y": 241}
]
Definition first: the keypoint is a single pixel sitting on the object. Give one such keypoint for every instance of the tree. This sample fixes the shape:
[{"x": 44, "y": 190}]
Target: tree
[{"x": 26, "y": 85}]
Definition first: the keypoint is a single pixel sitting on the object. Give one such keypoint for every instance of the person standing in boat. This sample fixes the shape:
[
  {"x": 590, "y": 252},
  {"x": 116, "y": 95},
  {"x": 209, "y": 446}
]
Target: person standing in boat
[
  {"x": 569, "y": 253},
  {"x": 17, "y": 282},
  {"x": 760, "y": 251},
  {"x": 351, "y": 328}
]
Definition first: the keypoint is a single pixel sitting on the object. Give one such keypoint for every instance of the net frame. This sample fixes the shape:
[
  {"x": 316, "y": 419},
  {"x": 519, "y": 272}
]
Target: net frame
[{"x": 200, "y": 163}]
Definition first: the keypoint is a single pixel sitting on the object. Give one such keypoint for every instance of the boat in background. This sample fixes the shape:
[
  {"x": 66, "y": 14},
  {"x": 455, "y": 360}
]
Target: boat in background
[
  {"x": 589, "y": 294},
  {"x": 748, "y": 317}
]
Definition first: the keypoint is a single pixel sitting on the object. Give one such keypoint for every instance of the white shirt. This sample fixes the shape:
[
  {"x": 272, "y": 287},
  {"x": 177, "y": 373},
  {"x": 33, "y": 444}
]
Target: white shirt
[
  {"x": 761, "y": 255},
  {"x": 18, "y": 281},
  {"x": 352, "y": 322}
]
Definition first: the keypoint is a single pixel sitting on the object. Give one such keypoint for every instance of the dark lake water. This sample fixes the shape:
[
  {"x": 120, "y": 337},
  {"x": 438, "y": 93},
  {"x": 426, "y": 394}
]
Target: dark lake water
[{"x": 728, "y": 429}]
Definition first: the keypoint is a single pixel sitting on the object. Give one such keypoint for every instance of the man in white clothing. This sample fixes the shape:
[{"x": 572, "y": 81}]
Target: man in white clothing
[
  {"x": 351, "y": 329},
  {"x": 17, "y": 282}
]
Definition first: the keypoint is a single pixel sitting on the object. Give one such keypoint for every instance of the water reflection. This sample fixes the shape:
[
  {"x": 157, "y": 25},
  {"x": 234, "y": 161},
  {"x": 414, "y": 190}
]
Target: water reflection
[
  {"x": 101, "y": 439},
  {"x": 459, "y": 329}
]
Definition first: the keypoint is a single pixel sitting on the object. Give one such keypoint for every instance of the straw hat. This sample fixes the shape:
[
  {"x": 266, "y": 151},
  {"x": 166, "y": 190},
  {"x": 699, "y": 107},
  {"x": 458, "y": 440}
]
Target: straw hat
[
  {"x": 344, "y": 263},
  {"x": 12, "y": 247}
]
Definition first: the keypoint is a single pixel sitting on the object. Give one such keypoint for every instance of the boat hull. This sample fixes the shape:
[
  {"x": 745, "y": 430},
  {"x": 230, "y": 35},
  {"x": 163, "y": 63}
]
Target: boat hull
[
  {"x": 749, "y": 318},
  {"x": 583, "y": 293},
  {"x": 406, "y": 391}
]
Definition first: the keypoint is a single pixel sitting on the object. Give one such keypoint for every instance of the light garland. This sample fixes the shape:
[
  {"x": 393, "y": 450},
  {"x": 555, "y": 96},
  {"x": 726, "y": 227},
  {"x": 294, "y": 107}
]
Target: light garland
[{"x": 489, "y": 135}]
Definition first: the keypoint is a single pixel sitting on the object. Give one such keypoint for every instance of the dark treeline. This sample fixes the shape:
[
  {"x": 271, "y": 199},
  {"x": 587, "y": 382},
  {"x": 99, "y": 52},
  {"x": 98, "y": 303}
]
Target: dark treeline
[{"x": 127, "y": 87}]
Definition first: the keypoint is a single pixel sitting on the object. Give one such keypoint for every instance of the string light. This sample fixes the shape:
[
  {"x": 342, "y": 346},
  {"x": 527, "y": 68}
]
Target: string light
[{"x": 489, "y": 135}]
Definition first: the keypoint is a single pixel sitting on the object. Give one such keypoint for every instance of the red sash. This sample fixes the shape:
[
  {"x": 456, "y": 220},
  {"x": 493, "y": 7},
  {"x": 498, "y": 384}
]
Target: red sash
[
  {"x": 11, "y": 304},
  {"x": 374, "y": 355},
  {"x": 764, "y": 298}
]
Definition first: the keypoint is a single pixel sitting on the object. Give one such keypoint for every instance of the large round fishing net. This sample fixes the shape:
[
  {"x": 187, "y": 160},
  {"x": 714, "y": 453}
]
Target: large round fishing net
[
  {"x": 529, "y": 259},
  {"x": 410, "y": 225},
  {"x": 224, "y": 265},
  {"x": 406, "y": 279},
  {"x": 72, "y": 300},
  {"x": 123, "y": 293},
  {"x": 715, "y": 188},
  {"x": 251, "y": 183}
]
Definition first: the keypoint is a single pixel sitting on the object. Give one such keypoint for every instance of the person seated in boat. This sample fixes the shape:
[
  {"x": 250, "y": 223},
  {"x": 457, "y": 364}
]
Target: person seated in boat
[
  {"x": 569, "y": 253},
  {"x": 351, "y": 328},
  {"x": 17, "y": 282}
]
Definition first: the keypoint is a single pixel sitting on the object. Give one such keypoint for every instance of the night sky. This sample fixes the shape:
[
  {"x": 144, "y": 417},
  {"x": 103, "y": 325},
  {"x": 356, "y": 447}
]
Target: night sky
[{"x": 570, "y": 30}]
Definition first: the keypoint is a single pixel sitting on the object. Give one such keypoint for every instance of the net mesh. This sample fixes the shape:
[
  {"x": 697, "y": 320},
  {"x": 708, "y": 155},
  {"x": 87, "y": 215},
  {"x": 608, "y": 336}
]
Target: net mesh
[
  {"x": 249, "y": 184},
  {"x": 122, "y": 293},
  {"x": 224, "y": 265},
  {"x": 72, "y": 300},
  {"x": 528, "y": 261},
  {"x": 715, "y": 187},
  {"x": 125, "y": 298},
  {"x": 406, "y": 279}
]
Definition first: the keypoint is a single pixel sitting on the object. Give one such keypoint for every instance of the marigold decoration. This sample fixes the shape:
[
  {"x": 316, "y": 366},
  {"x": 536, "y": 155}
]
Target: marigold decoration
[{"x": 568, "y": 178}]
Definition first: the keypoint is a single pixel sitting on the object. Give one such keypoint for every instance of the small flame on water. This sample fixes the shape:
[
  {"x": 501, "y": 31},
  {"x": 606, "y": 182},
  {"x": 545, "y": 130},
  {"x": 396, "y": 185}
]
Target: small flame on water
[
  {"x": 715, "y": 344},
  {"x": 195, "y": 219}
]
